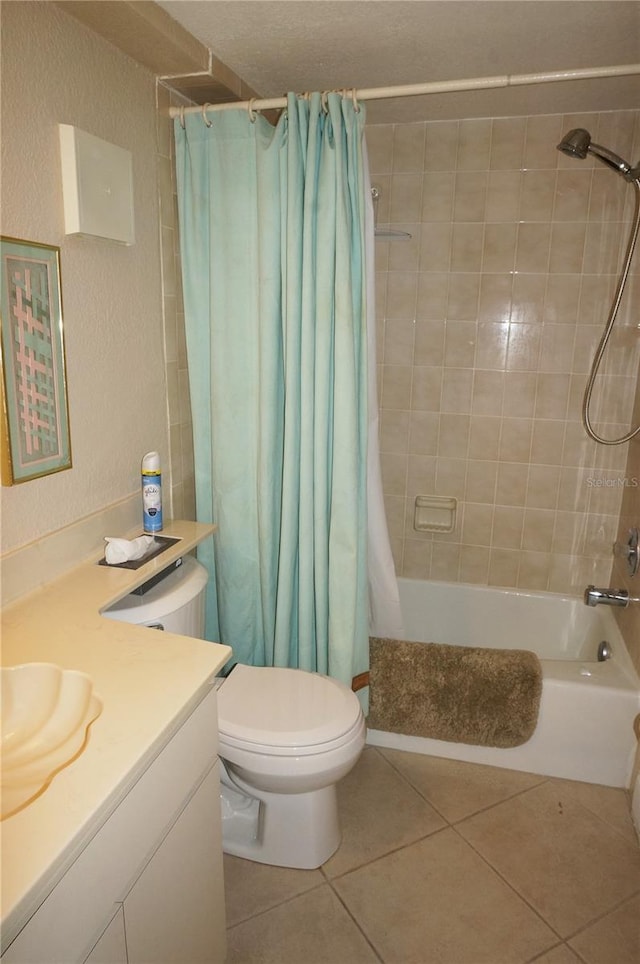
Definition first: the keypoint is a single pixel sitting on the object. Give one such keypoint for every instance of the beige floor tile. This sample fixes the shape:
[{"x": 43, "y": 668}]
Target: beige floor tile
[
  {"x": 611, "y": 804},
  {"x": 566, "y": 862},
  {"x": 615, "y": 939},
  {"x": 379, "y": 812},
  {"x": 311, "y": 929},
  {"x": 437, "y": 901},
  {"x": 456, "y": 789},
  {"x": 251, "y": 888},
  {"x": 562, "y": 954}
]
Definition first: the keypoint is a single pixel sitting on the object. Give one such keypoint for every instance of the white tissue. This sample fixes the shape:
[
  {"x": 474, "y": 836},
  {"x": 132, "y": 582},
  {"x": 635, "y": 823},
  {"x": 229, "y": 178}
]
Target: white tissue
[{"x": 124, "y": 550}]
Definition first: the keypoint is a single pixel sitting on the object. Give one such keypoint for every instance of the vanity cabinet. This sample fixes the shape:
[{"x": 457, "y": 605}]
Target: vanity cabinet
[{"x": 148, "y": 887}]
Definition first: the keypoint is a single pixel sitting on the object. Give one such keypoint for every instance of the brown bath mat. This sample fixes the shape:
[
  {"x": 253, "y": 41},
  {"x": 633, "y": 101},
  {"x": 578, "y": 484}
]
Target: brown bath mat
[{"x": 462, "y": 694}]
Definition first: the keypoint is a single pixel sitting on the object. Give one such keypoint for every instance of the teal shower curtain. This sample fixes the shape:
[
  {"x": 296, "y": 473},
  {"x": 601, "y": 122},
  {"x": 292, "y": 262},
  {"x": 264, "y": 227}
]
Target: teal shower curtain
[{"x": 273, "y": 262}]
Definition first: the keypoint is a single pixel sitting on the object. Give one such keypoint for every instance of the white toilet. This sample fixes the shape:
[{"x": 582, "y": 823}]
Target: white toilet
[{"x": 286, "y": 738}]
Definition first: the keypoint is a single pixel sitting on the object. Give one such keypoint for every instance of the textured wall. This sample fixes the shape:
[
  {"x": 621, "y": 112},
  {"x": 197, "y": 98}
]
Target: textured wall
[
  {"x": 488, "y": 320},
  {"x": 56, "y": 71}
]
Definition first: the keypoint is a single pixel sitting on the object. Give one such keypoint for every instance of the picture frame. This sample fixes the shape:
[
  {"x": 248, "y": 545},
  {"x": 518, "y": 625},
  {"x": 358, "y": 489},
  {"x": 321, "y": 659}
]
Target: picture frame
[{"x": 36, "y": 437}]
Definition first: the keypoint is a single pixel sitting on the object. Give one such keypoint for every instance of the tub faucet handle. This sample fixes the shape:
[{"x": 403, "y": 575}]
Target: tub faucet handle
[{"x": 629, "y": 551}]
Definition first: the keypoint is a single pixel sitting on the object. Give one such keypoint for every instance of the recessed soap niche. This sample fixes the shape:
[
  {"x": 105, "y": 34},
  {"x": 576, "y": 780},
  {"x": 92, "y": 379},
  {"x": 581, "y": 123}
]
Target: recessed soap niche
[{"x": 434, "y": 513}]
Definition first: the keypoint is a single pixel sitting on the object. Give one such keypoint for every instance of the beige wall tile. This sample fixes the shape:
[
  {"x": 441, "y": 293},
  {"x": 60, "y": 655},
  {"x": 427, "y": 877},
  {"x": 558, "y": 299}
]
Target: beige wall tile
[
  {"x": 507, "y": 143},
  {"x": 515, "y": 439},
  {"x": 573, "y": 189},
  {"x": 398, "y": 342},
  {"x": 537, "y": 531},
  {"x": 503, "y": 195},
  {"x": 503, "y": 567},
  {"x": 474, "y": 564},
  {"x": 406, "y": 196},
  {"x": 533, "y": 246},
  {"x": 470, "y": 196},
  {"x": 528, "y": 298},
  {"x": 467, "y": 246},
  {"x": 437, "y": 196},
  {"x": 464, "y": 290},
  {"x": 396, "y": 387},
  {"x": 457, "y": 384},
  {"x": 496, "y": 294},
  {"x": 435, "y": 246},
  {"x": 533, "y": 571},
  {"x": 394, "y": 431},
  {"x": 423, "y": 433},
  {"x": 380, "y": 148},
  {"x": 523, "y": 349},
  {"x": 538, "y": 191},
  {"x": 445, "y": 562},
  {"x": 478, "y": 524},
  {"x": 429, "y": 337},
  {"x": 543, "y": 132},
  {"x": 562, "y": 299},
  {"x": 488, "y": 392},
  {"x": 484, "y": 437},
  {"x": 402, "y": 290},
  {"x": 481, "y": 481},
  {"x": 474, "y": 144},
  {"x": 519, "y": 394},
  {"x": 542, "y": 486},
  {"x": 507, "y": 527},
  {"x": 408, "y": 147},
  {"x": 491, "y": 350},
  {"x": 441, "y": 146},
  {"x": 499, "y": 247}
]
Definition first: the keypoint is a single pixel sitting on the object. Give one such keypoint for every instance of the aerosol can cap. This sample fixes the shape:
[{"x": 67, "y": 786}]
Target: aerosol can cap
[{"x": 151, "y": 463}]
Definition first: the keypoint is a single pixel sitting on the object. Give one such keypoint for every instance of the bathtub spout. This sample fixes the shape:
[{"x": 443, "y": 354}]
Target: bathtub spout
[{"x": 608, "y": 597}]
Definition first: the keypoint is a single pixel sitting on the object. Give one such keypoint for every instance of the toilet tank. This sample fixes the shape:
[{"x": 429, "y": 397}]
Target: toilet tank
[{"x": 175, "y": 603}]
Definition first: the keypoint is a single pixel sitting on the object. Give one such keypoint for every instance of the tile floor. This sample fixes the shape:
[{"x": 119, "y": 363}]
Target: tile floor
[{"x": 451, "y": 863}]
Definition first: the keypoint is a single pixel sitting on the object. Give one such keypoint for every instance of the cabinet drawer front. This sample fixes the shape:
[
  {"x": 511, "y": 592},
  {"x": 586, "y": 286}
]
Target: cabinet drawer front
[{"x": 66, "y": 925}]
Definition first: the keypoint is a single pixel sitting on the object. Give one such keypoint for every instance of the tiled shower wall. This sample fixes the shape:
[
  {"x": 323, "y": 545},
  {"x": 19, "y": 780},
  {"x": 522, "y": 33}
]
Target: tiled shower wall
[{"x": 487, "y": 322}]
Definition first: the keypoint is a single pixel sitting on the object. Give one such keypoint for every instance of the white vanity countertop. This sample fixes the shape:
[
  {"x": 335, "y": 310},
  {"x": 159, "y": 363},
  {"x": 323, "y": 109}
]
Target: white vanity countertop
[{"x": 149, "y": 683}]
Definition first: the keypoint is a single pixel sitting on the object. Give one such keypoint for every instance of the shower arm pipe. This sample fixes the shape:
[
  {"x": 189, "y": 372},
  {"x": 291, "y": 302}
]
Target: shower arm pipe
[
  {"x": 433, "y": 87},
  {"x": 604, "y": 341}
]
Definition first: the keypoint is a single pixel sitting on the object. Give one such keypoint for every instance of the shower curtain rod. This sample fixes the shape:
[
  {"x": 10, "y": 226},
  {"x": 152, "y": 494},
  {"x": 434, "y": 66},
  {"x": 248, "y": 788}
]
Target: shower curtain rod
[{"x": 434, "y": 87}]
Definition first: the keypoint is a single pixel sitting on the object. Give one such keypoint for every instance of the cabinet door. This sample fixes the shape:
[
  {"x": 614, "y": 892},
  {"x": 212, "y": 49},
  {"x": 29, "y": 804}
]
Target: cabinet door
[
  {"x": 111, "y": 948},
  {"x": 174, "y": 913}
]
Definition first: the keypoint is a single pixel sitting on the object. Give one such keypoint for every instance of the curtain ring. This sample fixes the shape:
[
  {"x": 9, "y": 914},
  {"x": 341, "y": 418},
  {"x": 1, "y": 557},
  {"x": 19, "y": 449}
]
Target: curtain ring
[
  {"x": 250, "y": 110},
  {"x": 182, "y": 117},
  {"x": 204, "y": 115},
  {"x": 356, "y": 105}
]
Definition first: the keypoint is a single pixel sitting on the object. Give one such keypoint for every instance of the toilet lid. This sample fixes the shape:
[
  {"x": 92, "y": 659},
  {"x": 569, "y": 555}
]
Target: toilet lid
[{"x": 277, "y": 708}]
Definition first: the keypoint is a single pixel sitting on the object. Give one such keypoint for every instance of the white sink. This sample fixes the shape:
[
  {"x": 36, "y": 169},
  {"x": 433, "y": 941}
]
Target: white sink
[{"x": 46, "y": 715}]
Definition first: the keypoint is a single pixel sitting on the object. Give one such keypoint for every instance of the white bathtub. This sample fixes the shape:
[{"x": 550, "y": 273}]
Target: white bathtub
[{"x": 585, "y": 727}]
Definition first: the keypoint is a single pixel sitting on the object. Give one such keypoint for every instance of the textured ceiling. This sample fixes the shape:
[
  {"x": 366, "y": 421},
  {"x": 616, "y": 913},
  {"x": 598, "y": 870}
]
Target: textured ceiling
[{"x": 302, "y": 45}]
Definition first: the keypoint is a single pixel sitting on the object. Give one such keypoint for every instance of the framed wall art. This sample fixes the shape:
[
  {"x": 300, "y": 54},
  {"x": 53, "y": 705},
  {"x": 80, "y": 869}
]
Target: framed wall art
[{"x": 35, "y": 429}]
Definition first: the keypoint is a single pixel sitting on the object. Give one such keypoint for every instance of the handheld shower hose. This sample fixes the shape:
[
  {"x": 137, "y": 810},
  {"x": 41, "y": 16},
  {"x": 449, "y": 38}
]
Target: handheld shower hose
[{"x": 577, "y": 143}]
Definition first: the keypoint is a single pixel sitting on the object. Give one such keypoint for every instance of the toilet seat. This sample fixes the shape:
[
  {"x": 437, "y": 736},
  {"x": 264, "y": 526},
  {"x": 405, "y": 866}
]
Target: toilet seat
[{"x": 285, "y": 712}]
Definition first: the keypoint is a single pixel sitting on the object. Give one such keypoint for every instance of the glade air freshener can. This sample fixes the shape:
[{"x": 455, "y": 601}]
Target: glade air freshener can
[{"x": 151, "y": 493}]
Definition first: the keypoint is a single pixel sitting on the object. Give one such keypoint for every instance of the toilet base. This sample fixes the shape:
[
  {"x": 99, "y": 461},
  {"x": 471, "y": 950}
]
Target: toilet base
[{"x": 299, "y": 830}]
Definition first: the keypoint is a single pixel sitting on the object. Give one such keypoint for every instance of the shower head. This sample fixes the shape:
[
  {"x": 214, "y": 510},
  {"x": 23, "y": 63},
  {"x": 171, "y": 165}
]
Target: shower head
[
  {"x": 578, "y": 143},
  {"x": 575, "y": 143}
]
